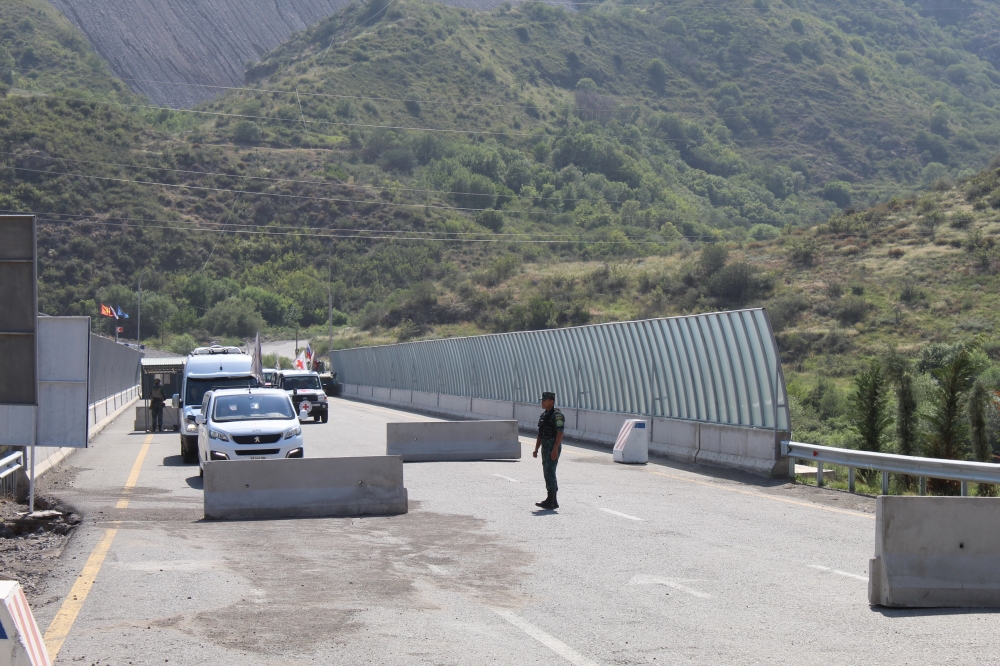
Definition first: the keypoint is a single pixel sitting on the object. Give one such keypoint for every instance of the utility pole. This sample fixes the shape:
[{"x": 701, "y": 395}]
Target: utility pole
[
  {"x": 138, "y": 315},
  {"x": 329, "y": 293}
]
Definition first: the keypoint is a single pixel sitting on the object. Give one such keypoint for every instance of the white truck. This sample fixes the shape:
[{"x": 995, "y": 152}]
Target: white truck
[{"x": 208, "y": 368}]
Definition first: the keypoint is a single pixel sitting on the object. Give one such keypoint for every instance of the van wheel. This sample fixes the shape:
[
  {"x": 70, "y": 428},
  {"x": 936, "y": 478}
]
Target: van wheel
[
  {"x": 317, "y": 418},
  {"x": 201, "y": 472},
  {"x": 326, "y": 417}
]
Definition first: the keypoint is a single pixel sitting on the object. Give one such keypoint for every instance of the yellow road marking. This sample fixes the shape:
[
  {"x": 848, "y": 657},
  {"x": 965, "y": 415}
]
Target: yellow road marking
[
  {"x": 133, "y": 477},
  {"x": 58, "y": 630},
  {"x": 61, "y": 624}
]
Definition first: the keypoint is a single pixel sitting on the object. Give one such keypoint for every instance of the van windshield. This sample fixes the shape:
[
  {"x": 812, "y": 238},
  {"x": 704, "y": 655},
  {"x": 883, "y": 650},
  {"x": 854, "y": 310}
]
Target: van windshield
[
  {"x": 196, "y": 387},
  {"x": 250, "y": 407},
  {"x": 304, "y": 382}
]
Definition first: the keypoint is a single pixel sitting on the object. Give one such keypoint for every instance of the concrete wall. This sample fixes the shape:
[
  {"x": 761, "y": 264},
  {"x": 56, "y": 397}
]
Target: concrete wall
[
  {"x": 749, "y": 449},
  {"x": 304, "y": 487},
  {"x": 936, "y": 552},
  {"x": 453, "y": 440}
]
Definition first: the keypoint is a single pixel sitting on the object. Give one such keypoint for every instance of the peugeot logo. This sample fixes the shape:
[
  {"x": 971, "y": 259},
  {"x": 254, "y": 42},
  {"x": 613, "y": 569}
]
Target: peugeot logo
[{"x": 256, "y": 440}]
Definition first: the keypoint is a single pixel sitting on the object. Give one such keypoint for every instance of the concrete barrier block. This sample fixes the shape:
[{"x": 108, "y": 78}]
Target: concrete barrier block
[
  {"x": 304, "y": 488},
  {"x": 527, "y": 414},
  {"x": 401, "y": 396},
  {"x": 425, "y": 400},
  {"x": 453, "y": 440},
  {"x": 380, "y": 393},
  {"x": 21, "y": 641},
  {"x": 675, "y": 439},
  {"x": 936, "y": 552},
  {"x": 455, "y": 404},
  {"x": 170, "y": 421},
  {"x": 494, "y": 409}
]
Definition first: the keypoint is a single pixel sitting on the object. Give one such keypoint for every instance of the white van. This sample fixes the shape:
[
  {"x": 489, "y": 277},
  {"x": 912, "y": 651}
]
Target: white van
[{"x": 208, "y": 368}]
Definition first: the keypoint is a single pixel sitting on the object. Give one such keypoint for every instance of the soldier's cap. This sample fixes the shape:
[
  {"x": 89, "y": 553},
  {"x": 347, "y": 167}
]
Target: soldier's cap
[{"x": 548, "y": 395}]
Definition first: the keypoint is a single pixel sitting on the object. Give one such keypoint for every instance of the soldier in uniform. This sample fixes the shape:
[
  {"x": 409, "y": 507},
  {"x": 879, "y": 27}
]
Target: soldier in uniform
[
  {"x": 550, "y": 434},
  {"x": 156, "y": 400}
]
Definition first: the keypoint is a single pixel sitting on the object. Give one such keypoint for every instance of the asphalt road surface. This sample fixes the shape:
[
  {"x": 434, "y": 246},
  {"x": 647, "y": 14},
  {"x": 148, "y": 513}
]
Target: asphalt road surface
[{"x": 650, "y": 564}]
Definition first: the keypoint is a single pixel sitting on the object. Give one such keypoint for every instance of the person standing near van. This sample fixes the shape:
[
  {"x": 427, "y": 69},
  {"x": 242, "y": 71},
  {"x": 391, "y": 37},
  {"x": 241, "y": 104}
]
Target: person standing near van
[
  {"x": 156, "y": 400},
  {"x": 550, "y": 434}
]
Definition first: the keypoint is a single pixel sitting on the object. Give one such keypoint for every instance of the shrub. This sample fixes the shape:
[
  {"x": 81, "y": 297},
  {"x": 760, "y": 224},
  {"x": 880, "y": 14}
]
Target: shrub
[
  {"x": 713, "y": 258},
  {"x": 858, "y": 45},
  {"x": 871, "y": 416},
  {"x": 957, "y": 74},
  {"x": 763, "y": 232},
  {"x": 674, "y": 26},
  {"x": 798, "y": 26},
  {"x": 785, "y": 310},
  {"x": 904, "y": 58},
  {"x": 345, "y": 109},
  {"x": 412, "y": 107},
  {"x": 370, "y": 107},
  {"x": 793, "y": 51},
  {"x": 839, "y": 192},
  {"x": 397, "y": 159},
  {"x": 962, "y": 219},
  {"x": 735, "y": 284},
  {"x": 803, "y": 251},
  {"x": 657, "y": 75},
  {"x": 860, "y": 74},
  {"x": 491, "y": 219},
  {"x": 829, "y": 76},
  {"x": 850, "y": 310},
  {"x": 247, "y": 132}
]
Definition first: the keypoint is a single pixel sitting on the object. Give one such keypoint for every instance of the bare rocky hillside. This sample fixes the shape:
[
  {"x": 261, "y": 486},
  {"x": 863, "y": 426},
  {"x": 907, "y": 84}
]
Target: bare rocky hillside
[{"x": 202, "y": 43}]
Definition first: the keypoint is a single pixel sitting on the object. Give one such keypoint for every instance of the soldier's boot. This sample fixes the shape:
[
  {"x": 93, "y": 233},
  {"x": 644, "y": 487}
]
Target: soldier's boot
[
  {"x": 555, "y": 503},
  {"x": 545, "y": 503}
]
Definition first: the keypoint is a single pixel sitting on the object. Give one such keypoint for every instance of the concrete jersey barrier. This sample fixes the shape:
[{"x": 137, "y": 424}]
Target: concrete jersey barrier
[
  {"x": 453, "y": 440},
  {"x": 304, "y": 488},
  {"x": 936, "y": 552}
]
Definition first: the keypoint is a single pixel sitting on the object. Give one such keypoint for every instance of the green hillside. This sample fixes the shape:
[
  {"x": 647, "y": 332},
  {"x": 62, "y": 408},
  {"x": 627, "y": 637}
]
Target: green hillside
[{"x": 441, "y": 170}]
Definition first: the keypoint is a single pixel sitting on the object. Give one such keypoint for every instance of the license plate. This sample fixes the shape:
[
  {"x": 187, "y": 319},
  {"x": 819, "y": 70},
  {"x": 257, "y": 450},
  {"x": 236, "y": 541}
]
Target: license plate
[{"x": 258, "y": 457}]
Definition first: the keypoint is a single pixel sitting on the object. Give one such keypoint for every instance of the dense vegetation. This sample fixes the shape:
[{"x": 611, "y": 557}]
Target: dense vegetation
[{"x": 438, "y": 171}]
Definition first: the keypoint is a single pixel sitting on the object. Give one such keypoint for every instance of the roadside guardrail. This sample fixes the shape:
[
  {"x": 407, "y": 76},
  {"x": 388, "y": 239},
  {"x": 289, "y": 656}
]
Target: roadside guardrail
[
  {"x": 8, "y": 480},
  {"x": 890, "y": 463}
]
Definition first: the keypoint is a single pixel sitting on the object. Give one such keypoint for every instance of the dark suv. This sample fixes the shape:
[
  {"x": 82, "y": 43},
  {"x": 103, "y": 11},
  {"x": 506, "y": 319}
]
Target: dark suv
[{"x": 304, "y": 386}]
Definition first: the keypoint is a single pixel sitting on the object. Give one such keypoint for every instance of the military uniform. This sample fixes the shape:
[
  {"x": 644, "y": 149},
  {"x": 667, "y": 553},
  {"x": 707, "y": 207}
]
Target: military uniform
[
  {"x": 156, "y": 400},
  {"x": 550, "y": 428},
  {"x": 550, "y": 423}
]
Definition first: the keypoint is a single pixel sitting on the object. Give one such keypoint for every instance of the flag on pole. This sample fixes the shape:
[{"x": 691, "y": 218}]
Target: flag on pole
[
  {"x": 258, "y": 361},
  {"x": 309, "y": 357},
  {"x": 120, "y": 313},
  {"x": 300, "y": 362},
  {"x": 107, "y": 311}
]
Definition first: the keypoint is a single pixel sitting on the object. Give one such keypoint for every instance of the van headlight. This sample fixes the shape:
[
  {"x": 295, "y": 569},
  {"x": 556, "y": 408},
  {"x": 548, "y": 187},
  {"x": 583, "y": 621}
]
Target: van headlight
[
  {"x": 321, "y": 397},
  {"x": 297, "y": 430},
  {"x": 294, "y": 453},
  {"x": 221, "y": 436},
  {"x": 191, "y": 427}
]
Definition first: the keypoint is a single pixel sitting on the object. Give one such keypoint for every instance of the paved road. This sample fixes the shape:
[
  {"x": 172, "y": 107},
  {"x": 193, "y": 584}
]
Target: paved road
[
  {"x": 284, "y": 348},
  {"x": 641, "y": 565}
]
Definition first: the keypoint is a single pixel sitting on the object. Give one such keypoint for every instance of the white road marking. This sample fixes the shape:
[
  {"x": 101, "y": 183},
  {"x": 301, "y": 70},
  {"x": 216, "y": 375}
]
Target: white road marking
[
  {"x": 622, "y": 515},
  {"x": 508, "y": 478},
  {"x": 838, "y": 572},
  {"x": 551, "y": 642},
  {"x": 669, "y": 582}
]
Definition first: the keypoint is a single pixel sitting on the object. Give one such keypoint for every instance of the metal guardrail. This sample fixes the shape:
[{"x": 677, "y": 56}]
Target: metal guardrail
[
  {"x": 890, "y": 463},
  {"x": 8, "y": 480}
]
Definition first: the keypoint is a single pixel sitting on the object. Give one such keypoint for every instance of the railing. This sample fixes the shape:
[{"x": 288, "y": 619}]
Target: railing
[
  {"x": 8, "y": 480},
  {"x": 108, "y": 406},
  {"x": 889, "y": 463}
]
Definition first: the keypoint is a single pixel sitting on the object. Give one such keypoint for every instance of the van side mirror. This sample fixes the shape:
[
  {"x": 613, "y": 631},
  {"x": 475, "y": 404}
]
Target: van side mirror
[
  {"x": 200, "y": 419},
  {"x": 175, "y": 400}
]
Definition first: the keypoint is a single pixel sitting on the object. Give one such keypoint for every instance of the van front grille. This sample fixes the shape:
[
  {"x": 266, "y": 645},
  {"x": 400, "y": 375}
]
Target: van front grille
[
  {"x": 257, "y": 452},
  {"x": 257, "y": 439}
]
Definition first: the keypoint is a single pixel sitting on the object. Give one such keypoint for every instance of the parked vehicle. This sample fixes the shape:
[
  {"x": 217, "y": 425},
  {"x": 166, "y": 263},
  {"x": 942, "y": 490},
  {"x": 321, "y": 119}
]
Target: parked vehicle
[
  {"x": 330, "y": 385},
  {"x": 247, "y": 424},
  {"x": 269, "y": 378},
  {"x": 306, "y": 392},
  {"x": 208, "y": 368}
]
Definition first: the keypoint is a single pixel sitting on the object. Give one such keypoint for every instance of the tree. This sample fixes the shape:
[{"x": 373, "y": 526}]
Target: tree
[
  {"x": 657, "y": 75},
  {"x": 979, "y": 400},
  {"x": 948, "y": 431},
  {"x": 234, "y": 316},
  {"x": 870, "y": 415},
  {"x": 907, "y": 422}
]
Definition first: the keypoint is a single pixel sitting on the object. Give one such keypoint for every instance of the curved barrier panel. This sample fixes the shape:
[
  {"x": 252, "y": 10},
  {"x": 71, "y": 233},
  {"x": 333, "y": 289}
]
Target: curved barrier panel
[{"x": 720, "y": 368}]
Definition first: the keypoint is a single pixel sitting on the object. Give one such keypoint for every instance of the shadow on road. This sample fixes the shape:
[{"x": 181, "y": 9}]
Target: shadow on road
[
  {"x": 930, "y": 612},
  {"x": 174, "y": 461},
  {"x": 196, "y": 482}
]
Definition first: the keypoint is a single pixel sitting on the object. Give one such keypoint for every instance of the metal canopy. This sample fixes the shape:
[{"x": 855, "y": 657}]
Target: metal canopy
[{"x": 721, "y": 367}]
